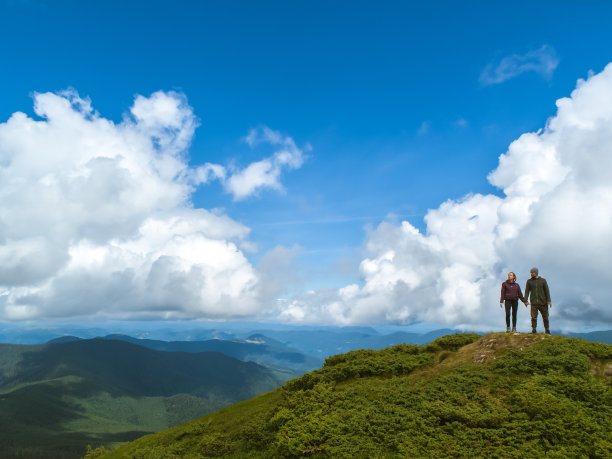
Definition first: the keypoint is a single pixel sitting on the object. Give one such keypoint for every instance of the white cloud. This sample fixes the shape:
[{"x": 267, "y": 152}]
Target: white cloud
[
  {"x": 277, "y": 270},
  {"x": 97, "y": 220},
  {"x": 267, "y": 172},
  {"x": 542, "y": 61},
  {"x": 555, "y": 213}
]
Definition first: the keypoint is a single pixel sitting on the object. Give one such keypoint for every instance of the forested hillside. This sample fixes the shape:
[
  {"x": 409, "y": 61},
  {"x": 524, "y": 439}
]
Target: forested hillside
[
  {"x": 464, "y": 395},
  {"x": 55, "y": 399},
  {"x": 256, "y": 348}
]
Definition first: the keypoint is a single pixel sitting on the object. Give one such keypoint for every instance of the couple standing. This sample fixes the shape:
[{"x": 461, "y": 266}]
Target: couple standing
[{"x": 537, "y": 287}]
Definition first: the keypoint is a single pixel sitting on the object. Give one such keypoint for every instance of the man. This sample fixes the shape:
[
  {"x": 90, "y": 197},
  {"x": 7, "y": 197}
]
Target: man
[{"x": 537, "y": 288}]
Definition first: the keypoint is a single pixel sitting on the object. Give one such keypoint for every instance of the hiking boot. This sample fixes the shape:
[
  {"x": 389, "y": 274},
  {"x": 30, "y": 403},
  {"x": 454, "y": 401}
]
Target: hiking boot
[
  {"x": 513, "y": 329},
  {"x": 548, "y": 332},
  {"x": 507, "y": 329},
  {"x": 533, "y": 331}
]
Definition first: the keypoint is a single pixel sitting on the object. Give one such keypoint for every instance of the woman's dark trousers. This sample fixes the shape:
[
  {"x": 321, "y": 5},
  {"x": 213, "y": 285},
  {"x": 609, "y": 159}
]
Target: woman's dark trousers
[{"x": 511, "y": 304}]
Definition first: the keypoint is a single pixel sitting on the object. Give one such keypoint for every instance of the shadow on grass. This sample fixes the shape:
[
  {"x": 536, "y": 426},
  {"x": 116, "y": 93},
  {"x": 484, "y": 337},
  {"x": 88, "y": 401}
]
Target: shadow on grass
[
  {"x": 32, "y": 418},
  {"x": 67, "y": 445}
]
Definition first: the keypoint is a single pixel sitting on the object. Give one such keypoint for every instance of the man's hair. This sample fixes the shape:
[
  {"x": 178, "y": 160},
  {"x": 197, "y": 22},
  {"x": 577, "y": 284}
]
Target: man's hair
[{"x": 534, "y": 270}]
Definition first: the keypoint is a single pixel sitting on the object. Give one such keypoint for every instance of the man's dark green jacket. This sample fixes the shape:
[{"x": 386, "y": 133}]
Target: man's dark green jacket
[{"x": 538, "y": 289}]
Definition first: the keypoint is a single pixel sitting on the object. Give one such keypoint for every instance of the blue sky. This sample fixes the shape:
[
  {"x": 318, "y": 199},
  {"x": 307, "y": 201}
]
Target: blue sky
[{"x": 395, "y": 105}]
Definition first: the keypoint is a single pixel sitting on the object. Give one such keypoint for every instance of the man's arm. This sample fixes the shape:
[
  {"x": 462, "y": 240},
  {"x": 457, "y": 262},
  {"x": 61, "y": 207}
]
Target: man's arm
[
  {"x": 527, "y": 291},
  {"x": 547, "y": 292}
]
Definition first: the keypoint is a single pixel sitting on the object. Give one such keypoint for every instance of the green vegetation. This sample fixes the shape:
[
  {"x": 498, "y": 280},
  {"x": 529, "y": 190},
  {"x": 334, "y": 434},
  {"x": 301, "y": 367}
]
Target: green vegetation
[
  {"x": 56, "y": 399},
  {"x": 500, "y": 395},
  {"x": 58, "y": 418}
]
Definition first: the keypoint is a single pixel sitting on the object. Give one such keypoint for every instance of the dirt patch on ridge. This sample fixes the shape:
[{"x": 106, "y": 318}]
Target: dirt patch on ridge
[{"x": 488, "y": 347}]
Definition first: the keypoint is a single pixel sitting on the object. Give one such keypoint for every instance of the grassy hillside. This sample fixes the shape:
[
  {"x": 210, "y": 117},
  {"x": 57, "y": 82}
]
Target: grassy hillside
[
  {"x": 57, "y": 398},
  {"x": 498, "y": 395}
]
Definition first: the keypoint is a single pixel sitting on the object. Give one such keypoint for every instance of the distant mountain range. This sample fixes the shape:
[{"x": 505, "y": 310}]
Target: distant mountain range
[
  {"x": 256, "y": 348},
  {"x": 323, "y": 343},
  {"x": 602, "y": 336},
  {"x": 319, "y": 342},
  {"x": 57, "y": 398}
]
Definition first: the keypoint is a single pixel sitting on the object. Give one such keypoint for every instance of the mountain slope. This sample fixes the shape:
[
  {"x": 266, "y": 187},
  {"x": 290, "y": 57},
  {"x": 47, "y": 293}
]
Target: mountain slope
[
  {"x": 499, "y": 395},
  {"x": 256, "y": 348},
  {"x": 57, "y": 398},
  {"x": 135, "y": 369}
]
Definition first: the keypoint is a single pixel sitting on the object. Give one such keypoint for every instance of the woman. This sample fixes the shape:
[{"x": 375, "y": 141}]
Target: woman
[{"x": 510, "y": 294}]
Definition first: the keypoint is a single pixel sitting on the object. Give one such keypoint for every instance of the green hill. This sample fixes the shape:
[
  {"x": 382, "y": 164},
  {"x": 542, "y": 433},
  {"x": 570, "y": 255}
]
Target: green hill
[
  {"x": 465, "y": 395},
  {"x": 57, "y": 398}
]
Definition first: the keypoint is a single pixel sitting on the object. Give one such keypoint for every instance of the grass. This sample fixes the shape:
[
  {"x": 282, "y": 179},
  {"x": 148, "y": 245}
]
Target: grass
[{"x": 500, "y": 395}]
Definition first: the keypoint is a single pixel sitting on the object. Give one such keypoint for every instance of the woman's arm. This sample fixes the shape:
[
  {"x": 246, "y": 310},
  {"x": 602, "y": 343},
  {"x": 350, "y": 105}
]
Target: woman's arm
[{"x": 520, "y": 295}]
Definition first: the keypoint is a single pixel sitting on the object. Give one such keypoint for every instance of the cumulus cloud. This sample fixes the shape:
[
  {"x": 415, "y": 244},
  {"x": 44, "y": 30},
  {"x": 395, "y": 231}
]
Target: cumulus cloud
[
  {"x": 555, "y": 212},
  {"x": 542, "y": 61},
  {"x": 97, "y": 220}
]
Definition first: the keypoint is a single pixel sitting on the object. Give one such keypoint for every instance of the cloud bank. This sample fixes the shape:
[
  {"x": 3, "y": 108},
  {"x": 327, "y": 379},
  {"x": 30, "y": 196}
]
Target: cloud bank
[
  {"x": 555, "y": 212},
  {"x": 542, "y": 61},
  {"x": 97, "y": 220}
]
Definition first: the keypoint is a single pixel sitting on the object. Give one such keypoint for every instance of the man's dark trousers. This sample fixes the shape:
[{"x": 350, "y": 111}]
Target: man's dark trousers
[
  {"x": 511, "y": 304},
  {"x": 543, "y": 308}
]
